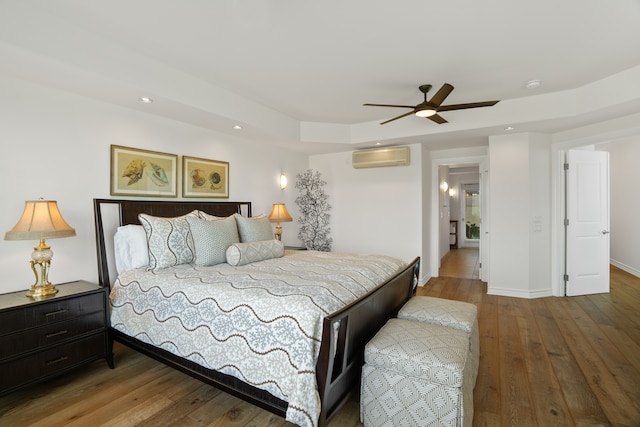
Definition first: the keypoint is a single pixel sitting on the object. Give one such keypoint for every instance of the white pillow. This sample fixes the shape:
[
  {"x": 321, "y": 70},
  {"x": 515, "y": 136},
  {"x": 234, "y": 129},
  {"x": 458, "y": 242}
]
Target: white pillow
[
  {"x": 212, "y": 238},
  {"x": 130, "y": 246},
  {"x": 245, "y": 253},
  {"x": 254, "y": 229},
  {"x": 170, "y": 241}
]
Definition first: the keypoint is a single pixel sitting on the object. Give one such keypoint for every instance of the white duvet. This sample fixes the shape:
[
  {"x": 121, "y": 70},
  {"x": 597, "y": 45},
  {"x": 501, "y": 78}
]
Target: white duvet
[{"x": 261, "y": 322}]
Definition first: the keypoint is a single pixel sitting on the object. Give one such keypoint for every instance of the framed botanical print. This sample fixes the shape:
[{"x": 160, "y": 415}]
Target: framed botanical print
[
  {"x": 204, "y": 178},
  {"x": 136, "y": 172}
]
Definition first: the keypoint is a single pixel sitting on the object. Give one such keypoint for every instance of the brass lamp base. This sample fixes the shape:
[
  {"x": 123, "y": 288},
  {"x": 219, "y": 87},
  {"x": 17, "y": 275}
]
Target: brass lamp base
[
  {"x": 38, "y": 291},
  {"x": 41, "y": 258}
]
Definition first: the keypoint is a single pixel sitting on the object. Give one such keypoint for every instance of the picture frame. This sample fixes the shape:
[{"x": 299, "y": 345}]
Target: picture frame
[
  {"x": 137, "y": 172},
  {"x": 204, "y": 178}
]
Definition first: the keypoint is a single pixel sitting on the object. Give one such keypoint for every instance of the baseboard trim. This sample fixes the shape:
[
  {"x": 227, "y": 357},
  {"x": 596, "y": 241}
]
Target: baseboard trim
[
  {"x": 517, "y": 293},
  {"x": 625, "y": 267}
]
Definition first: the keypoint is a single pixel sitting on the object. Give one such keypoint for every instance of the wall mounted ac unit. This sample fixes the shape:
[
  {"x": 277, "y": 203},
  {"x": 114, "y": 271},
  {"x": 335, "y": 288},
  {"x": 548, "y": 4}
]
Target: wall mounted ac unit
[{"x": 379, "y": 157}]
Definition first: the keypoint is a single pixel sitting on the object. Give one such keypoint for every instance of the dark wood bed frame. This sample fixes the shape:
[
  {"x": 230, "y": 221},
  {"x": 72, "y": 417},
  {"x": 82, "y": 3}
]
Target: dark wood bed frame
[{"x": 338, "y": 377}]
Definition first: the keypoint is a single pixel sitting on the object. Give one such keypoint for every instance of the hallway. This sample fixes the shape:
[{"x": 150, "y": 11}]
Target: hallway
[{"x": 463, "y": 263}]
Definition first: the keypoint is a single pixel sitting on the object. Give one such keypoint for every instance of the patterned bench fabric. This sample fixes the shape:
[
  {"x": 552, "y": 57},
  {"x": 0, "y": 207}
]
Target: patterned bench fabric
[
  {"x": 417, "y": 374},
  {"x": 440, "y": 311},
  {"x": 453, "y": 314},
  {"x": 430, "y": 352}
]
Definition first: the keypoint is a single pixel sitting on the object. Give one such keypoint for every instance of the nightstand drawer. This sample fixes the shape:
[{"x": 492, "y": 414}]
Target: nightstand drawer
[
  {"x": 21, "y": 342},
  {"x": 12, "y": 321},
  {"x": 51, "y": 361}
]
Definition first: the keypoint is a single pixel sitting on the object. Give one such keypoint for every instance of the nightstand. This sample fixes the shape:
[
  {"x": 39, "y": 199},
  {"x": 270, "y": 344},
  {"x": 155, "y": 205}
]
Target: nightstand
[{"x": 43, "y": 338}]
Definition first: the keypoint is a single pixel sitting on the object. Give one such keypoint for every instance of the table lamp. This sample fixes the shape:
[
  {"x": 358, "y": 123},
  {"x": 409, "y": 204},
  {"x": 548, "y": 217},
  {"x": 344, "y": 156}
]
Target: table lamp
[
  {"x": 279, "y": 214},
  {"x": 40, "y": 220}
]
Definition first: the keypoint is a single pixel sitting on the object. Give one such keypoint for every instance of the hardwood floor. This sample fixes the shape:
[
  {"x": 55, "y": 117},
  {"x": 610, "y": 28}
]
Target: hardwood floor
[
  {"x": 463, "y": 263},
  {"x": 544, "y": 362}
]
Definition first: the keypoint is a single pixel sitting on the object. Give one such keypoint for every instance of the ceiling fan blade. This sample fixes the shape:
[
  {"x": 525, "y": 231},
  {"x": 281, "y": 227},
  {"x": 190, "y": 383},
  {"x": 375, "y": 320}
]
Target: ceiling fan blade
[
  {"x": 465, "y": 106},
  {"x": 441, "y": 94},
  {"x": 389, "y": 105},
  {"x": 398, "y": 117},
  {"x": 438, "y": 119}
]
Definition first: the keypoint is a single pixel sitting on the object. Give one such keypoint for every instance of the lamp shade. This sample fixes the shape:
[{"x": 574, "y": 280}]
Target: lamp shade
[
  {"x": 41, "y": 219},
  {"x": 279, "y": 213}
]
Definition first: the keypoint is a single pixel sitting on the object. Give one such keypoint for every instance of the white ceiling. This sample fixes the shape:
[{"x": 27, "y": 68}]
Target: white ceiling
[{"x": 296, "y": 72}]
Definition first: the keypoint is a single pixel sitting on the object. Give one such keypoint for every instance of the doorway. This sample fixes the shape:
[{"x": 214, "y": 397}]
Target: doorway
[{"x": 475, "y": 262}]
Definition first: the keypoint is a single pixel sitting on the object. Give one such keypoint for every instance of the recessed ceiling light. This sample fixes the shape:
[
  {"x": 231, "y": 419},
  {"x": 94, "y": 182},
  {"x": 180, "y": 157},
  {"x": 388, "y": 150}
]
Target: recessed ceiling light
[
  {"x": 237, "y": 127},
  {"x": 509, "y": 128},
  {"x": 145, "y": 100},
  {"x": 532, "y": 84},
  {"x": 378, "y": 143}
]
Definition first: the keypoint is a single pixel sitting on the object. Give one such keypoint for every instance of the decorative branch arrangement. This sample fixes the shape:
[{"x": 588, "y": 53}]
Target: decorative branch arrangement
[{"x": 314, "y": 211}]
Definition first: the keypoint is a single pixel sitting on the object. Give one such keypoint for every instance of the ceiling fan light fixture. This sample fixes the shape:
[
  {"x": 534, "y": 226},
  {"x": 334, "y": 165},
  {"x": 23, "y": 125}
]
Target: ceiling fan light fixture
[
  {"x": 430, "y": 108},
  {"x": 425, "y": 112}
]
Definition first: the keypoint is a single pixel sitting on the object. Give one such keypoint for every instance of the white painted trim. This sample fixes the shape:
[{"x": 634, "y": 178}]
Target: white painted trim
[
  {"x": 625, "y": 267},
  {"x": 517, "y": 293},
  {"x": 422, "y": 280}
]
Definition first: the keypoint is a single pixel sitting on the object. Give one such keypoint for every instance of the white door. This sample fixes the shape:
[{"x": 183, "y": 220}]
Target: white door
[{"x": 587, "y": 256}]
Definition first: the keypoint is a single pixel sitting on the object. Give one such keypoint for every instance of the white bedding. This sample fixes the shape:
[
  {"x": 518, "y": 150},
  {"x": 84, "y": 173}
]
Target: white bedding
[{"x": 260, "y": 322}]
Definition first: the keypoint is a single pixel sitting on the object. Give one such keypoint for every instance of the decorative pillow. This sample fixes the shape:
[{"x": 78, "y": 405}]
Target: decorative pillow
[
  {"x": 245, "y": 253},
  {"x": 254, "y": 229},
  {"x": 169, "y": 239},
  {"x": 130, "y": 247},
  {"x": 212, "y": 238}
]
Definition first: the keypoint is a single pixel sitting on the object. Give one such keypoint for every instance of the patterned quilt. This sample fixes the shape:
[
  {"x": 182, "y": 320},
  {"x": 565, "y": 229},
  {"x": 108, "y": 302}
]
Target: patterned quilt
[{"x": 261, "y": 322}]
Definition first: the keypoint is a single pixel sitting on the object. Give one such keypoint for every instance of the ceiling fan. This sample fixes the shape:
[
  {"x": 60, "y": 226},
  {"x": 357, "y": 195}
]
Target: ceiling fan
[{"x": 430, "y": 109}]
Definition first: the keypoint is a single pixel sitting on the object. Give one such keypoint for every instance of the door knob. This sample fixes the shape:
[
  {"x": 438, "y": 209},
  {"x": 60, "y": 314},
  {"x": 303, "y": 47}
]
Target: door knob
[{"x": 605, "y": 231}]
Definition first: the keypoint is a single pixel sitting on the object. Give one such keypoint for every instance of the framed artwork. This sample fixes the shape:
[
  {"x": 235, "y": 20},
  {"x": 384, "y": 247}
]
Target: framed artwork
[
  {"x": 136, "y": 172},
  {"x": 204, "y": 178}
]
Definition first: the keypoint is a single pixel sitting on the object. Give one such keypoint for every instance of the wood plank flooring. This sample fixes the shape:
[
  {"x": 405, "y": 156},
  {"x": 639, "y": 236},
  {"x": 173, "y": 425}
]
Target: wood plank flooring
[
  {"x": 544, "y": 362},
  {"x": 463, "y": 263}
]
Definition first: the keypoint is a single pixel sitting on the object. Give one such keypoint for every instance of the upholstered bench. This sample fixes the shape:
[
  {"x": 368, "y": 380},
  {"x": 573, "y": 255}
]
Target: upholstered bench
[
  {"x": 453, "y": 314},
  {"x": 417, "y": 374}
]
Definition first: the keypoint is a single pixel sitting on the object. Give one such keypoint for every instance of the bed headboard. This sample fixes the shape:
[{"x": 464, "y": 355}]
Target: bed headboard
[{"x": 109, "y": 214}]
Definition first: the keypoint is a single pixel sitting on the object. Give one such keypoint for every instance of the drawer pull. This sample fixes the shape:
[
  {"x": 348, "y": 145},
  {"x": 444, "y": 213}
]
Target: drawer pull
[
  {"x": 53, "y": 313},
  {"x": 55, "y": 334},
  {"x": 58, "y": 360}
]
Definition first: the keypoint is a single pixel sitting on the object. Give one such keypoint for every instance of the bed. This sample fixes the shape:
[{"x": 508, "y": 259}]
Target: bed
[{"x": 338, "y": 342}]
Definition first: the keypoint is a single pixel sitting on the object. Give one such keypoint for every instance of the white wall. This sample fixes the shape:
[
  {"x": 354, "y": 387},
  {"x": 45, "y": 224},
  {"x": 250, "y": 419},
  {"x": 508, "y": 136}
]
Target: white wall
[
  {"x": 56, "y": 145},
  {"x": 376, "y": 210},
  {"x": 520, "y": 211},
  {"x": 539, "y": 219},
  {"x": 625, "y": 203},
  {"x": 427, "y": 213}
]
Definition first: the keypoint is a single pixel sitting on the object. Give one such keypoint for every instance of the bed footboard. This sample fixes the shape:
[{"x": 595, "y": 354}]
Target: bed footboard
[{"x": 346, "y": 332}]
